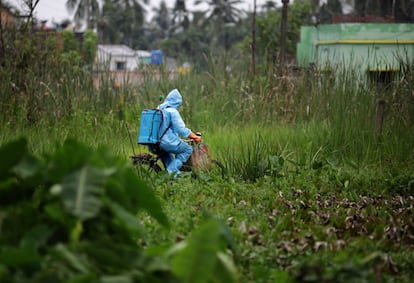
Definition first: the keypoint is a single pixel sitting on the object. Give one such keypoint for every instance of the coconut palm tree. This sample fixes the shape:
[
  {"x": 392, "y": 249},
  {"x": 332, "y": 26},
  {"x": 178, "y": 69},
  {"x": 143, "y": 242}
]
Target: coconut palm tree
[
  {"x": 88, "y": 11},
  {"x": 269, "y": 5},
  {"x": 180, "y": 19},
  {"x": 84, "y": 11},
  {"x": 221, "y": 14},
  {"x": 162, "y": 19},
  {"x": 224, "y": 11},
  {"x": 121, "y": 21}
]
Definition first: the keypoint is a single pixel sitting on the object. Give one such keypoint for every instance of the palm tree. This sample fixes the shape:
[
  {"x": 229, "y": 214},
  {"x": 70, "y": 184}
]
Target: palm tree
[
  {"x": 224, "y": 11},
  {"x": 84, "y": 10},
  {"x": 162, "y": 19},
  {"x": 269, "y": 5},
  {"x": 180, "y": 16},
  {"x": 108, "y": 23},
  {"x": 222, "y": 14},
  {"x": 89, "y": 10},
  {"x": 122, "y": 21},
  {"x": 132, "y": 22},
  {"x": 136, "y": 5}
]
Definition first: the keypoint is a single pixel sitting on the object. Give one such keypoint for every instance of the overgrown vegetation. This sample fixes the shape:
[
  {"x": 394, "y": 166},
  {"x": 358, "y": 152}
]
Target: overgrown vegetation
[
  {"x": 74, "y": 216},
  {"x": 313, "y": 191}
]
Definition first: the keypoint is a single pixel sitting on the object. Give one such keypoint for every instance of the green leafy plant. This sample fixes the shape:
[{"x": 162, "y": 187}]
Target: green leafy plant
[{"x": 74, "y": 216}]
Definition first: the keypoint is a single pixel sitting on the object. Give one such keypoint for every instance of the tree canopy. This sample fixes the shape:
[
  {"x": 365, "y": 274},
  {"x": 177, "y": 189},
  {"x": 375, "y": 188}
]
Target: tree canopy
[{"x": 222, "y": 27}]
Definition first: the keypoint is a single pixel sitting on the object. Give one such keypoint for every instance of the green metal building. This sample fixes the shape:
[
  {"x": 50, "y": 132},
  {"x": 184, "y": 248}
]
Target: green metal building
[{"x": 371, "y": 48}]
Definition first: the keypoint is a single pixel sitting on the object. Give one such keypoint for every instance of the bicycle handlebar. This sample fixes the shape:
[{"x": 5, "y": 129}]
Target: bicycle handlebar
[{"x": 191, "y": 141}]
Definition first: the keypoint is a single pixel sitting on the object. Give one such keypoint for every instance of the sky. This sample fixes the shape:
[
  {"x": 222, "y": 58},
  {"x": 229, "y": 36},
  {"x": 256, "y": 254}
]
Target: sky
[{"x": 55, "y": 10}]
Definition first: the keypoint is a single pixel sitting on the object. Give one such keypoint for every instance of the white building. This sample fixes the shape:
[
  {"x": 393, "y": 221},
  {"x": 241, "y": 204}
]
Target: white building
[{"x": 121, "y": 58}]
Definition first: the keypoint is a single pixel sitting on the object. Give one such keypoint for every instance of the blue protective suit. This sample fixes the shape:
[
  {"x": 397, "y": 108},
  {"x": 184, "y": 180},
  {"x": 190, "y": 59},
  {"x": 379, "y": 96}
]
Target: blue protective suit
[{"x": 178, "y": 150}]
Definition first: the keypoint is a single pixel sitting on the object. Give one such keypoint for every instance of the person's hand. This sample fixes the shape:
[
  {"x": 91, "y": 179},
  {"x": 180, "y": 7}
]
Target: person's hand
[{"x": 195, "y": 138}]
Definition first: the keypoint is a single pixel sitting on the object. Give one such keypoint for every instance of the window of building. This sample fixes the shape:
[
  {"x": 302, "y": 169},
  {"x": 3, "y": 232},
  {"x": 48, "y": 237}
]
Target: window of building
[{"x": 120, "y": 65}]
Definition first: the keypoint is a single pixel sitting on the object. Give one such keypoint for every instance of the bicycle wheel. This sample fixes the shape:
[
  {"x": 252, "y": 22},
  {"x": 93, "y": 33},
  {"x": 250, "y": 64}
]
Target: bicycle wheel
[
  {"x": 146, "y": 160},
  {"x": 187, "y": 167}
]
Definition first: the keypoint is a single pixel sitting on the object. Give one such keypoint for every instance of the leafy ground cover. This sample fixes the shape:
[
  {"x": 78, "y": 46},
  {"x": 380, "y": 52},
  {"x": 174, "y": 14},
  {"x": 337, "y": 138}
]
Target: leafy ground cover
[
  {"x": 323, "y": 224},
  {"x": 73, "y": 216},
  {"x": 303, "y": 229},
  {"x": 285, "y": 213}
]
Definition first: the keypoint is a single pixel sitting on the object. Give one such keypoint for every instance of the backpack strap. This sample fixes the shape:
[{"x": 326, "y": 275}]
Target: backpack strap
[
  {"x": 169, "y": 126},
  {"x": 152, "y": 122}
]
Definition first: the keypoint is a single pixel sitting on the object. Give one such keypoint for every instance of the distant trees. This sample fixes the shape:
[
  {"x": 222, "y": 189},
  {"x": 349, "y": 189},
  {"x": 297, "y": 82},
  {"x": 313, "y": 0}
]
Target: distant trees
[
  {"x": 219, "y": 16},
  {"x": 268, "y": 32},
  {"x": 118, "y": 21},
  {"x": 269, "y": 6},
  {"x": 400, "y": 10},
  {"x": 162, "y": 20},
  {"x": 84, "y": 10},
  {"x": 222, "y": 11},
  {"x": 121, "y": 22},
  {"x": 223, "y": 27},
  {"x": 180, "y": 20},
  {"x": 404, "y": 11}
]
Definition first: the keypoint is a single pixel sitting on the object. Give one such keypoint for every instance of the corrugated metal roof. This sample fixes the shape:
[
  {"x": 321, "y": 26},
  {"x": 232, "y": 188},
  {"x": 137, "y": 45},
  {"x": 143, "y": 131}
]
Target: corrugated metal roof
[
  {"x": 122, "y": 50},
  {"x": 143, "y": 53},
  {"x": 117, "y": 50}
]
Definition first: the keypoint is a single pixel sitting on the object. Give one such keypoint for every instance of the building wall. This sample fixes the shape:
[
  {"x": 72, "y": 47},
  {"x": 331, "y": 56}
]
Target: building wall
[
  {"x": 6, "y": 17},
  {"x": 110, "y": 61},
  {"x": 109, "y": 55},
  {"x": 367, "y": 46}
]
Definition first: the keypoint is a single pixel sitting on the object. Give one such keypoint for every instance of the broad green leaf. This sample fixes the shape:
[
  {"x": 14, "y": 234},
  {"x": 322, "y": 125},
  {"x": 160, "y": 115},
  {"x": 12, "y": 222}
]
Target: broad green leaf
[
  {"x": 69, "y": 157},
  {"x": 196, "y": 262},
  {"x": 225, "y": 271},
  {"x": 129, "y": 220},
  {"x": 37, "y": 236},
  {"x": 11, "y": 154},
  {"x": 112, "y": 254},
  {"x": 158, "y": 264},
  {"x": 28, "y": 167},
  {"x": 65, "y": 254},
  {"x": 176, "y": 248},
  {"x": 19, "y": 256},
  {"x": 141, "y": 196},
  {"x": 82, "y": 191},
  {"x": 55, "y": 212}
]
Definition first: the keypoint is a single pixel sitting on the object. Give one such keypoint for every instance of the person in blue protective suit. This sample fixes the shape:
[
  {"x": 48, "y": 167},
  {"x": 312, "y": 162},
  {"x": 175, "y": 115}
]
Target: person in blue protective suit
[{"x": 178, "y": 151}]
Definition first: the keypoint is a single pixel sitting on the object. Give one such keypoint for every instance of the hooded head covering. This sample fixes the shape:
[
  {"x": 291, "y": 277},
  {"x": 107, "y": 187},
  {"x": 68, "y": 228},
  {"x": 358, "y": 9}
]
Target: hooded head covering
[{"x": 173, "y": 100}]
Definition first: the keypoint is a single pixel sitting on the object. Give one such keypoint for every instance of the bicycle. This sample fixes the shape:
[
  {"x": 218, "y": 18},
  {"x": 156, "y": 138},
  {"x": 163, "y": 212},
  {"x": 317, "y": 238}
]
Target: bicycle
[{"x": 199, "y": 160}]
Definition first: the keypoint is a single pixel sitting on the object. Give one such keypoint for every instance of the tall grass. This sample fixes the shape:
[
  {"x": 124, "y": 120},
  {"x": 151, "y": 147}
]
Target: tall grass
[{"x": 304, "y": 116}]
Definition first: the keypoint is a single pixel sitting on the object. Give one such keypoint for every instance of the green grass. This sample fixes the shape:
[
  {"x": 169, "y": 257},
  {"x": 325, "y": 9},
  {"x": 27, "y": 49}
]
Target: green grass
[
  {"x": 311, "y": 193},
  {"x": 296, "y": 206},
  {"x": 309, "y": 223}
]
